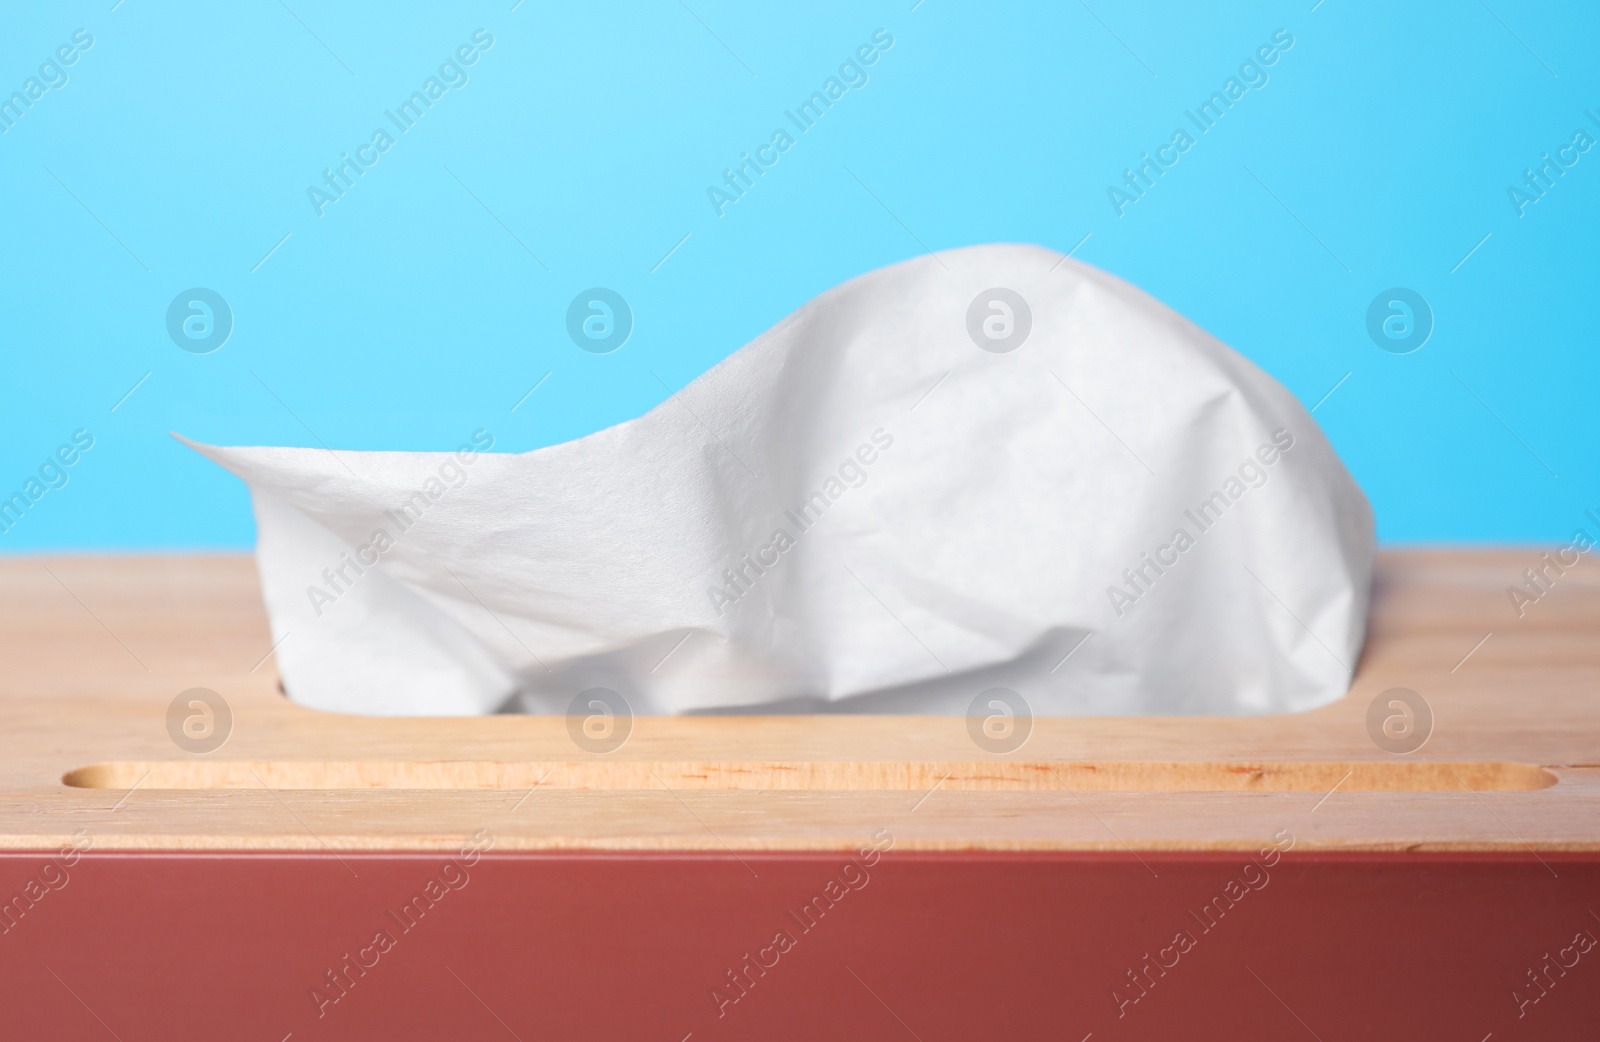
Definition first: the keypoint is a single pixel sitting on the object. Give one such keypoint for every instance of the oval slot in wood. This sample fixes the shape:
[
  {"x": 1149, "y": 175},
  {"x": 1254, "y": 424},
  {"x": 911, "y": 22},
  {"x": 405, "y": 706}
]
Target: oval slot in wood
[{"x": 910, "y": 776}]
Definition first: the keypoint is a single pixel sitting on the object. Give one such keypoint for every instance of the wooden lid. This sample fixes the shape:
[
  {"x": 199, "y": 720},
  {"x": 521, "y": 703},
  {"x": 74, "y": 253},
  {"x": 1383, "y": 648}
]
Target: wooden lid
[{"x": 93, "y": 651}]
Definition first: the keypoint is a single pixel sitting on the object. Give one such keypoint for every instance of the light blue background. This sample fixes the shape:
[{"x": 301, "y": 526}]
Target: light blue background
[{"x": 409, "y": 314}]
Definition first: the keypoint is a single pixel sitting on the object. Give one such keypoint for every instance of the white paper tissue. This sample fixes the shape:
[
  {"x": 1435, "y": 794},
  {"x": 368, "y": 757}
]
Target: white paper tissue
[{"x": 987, "y": 467}]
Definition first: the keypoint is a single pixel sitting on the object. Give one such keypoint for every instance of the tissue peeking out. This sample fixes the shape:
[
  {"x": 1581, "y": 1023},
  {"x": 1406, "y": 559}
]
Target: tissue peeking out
[{"x": 989, "y": 468}]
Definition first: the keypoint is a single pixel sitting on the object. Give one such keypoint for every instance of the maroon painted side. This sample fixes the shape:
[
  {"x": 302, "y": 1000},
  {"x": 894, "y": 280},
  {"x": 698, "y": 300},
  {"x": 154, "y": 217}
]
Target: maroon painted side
[{"x": 924, "y": 946}]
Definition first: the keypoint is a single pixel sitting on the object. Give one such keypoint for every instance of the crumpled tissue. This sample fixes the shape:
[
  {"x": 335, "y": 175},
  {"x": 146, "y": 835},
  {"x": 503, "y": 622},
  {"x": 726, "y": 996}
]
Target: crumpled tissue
[{"x": 991, "y": 467}]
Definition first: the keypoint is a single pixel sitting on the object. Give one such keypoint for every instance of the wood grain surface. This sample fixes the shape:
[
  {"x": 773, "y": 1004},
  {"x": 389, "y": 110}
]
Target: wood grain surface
[{"x": 94, "y": 649}]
